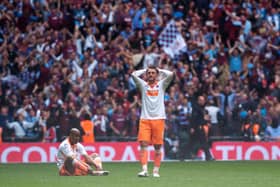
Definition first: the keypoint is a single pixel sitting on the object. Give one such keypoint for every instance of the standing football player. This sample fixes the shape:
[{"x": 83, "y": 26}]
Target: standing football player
[{"x": 152, "y": 119}]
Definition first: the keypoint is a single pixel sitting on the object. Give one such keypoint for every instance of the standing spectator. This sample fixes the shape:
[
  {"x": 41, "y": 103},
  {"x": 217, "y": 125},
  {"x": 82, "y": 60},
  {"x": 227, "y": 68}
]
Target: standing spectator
[
  {"x": 49, "y": 127},
  {"x": 214, "y": 114},
  {"x": 4, "y": 119},
  {"x": 118, "y": 122},
  {"x": 88, "y": 127},
  {"x": 272, "y": 131},
  {"x": 55, "y": 18},
  {"x": 21, "y": 126},
  {"x": 132, "y": 122},
  {"x": 171, "y": 140},
  {"x": 101, "y": 123},
  {"x": 184, "y": 116},
  {"x": 200, "y": 127},
  {"x": 102, "y": 82},
  {"x": 151, "y": 127},
  {"x": 235, "y": 59}
]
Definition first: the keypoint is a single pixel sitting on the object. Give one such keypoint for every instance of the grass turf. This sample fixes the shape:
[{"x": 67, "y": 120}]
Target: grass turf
[{"x": 176, "y": 174}]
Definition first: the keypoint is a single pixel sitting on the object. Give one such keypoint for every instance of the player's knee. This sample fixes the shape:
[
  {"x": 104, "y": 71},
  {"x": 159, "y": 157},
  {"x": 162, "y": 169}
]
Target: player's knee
[
  {"x": 94, "y": 155},
  {"x": 157, "y": 147},
  {"x": 144, "y": 144},
  {"x": 68, "y": 164},
  {"x": 69, "y": 161}
]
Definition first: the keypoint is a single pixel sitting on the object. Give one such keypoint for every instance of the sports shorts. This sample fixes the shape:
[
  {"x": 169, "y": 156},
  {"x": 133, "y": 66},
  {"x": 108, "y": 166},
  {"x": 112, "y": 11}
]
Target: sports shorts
[{"x": 151, "y": 131}]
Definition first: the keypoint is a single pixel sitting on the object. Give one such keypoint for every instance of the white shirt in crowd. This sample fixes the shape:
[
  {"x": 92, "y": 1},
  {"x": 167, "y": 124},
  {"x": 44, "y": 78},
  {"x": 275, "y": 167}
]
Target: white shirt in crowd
[{"x": 213, "y": 113}]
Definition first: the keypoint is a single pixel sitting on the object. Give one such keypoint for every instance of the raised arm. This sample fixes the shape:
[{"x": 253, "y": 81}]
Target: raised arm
[
  {"x": 167, "y": 76},
  {"x": 136, "y": 77}
]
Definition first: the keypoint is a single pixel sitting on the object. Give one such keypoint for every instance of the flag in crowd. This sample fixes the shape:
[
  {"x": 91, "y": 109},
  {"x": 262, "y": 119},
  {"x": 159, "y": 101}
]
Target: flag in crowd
[{"x": 172, "y": 41}]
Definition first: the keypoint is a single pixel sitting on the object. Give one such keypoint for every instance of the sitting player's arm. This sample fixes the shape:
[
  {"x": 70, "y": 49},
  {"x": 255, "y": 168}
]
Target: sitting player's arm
[
  {"x": 93, "y": 161},
  {"x": 88, "y": 159}
]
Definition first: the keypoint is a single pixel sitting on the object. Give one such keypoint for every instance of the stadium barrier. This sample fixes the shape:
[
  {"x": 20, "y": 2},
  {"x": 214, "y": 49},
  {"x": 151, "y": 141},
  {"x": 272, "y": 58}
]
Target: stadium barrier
[{"x": 128, "y": 151}]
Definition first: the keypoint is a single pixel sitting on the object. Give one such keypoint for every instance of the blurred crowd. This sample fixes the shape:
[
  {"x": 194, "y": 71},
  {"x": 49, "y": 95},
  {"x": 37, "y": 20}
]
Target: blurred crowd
[{"x": 62, "y": 62}]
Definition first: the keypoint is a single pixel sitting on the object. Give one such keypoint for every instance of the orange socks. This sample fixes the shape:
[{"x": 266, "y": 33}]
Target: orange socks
[
  {"x": 144, "y": 159},
  {"x": 143, "y": 156},
  {"x": 157, "y": 159},
  {"x": 98, "y": 163}
]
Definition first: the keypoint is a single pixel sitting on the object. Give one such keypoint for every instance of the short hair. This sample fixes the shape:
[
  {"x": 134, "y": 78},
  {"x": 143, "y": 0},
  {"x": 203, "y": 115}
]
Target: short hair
[
  {"x": 74, "y": 131},
  {"x": 86, "y": 116},
  {"x": 153, "y": 67}
]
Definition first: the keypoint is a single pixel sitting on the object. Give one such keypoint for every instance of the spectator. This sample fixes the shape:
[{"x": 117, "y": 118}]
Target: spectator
[
  {"x": 215, "y": 116},
  {"x": 49, "y": 129},
  {"x": 88, "y": 127},
  {"x": 118, "y": 122},
  {"x": 272, "y": 132},
  {"x": 200, "y": 128},
  {"x": 4, "y": 120},
  {"x": 101, "y": 123},
  {"x": 23, "y": 129},
  {"x": 132, "y": 122},
  {"x": 184, "y": 118}
]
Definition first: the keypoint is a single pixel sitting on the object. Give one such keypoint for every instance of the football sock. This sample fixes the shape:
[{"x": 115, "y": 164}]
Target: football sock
[
  {"x": 144, "y": 158},
  {"x": 157, "y": 159},
  {"x": 145, "y": 167},
  {"x": 156, "y": 169},
  {"x": 98, "y": 163}
]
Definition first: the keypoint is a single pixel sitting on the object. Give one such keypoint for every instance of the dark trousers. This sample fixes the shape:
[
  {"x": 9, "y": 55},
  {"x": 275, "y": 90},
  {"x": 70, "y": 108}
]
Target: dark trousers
[
  {"x": 184, "y": 143},
  {"x": 200, "y": 140}
]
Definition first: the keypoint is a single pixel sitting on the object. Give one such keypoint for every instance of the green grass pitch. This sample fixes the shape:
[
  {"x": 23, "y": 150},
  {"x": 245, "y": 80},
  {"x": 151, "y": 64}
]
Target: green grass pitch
[{"x": 173, "y": 174}]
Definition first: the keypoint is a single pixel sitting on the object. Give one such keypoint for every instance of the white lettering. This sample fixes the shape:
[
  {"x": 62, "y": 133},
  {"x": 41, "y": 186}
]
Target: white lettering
[
  {"x": 107, "y": 153},
  {"x": 128, "y": 154},
  {"x": 239, "y": 152},
  {"x": 27, "y": 152},
  {"x": 37, "y": 152},
  {"x": 7, "y": 151},
  {"x": 53, "y": 152},
  {"x": 225, "y": 150},
  {"x": 275, "y": 152},
  {"x": 90, "y": 149},
  {"x": 260, "y": 149}
]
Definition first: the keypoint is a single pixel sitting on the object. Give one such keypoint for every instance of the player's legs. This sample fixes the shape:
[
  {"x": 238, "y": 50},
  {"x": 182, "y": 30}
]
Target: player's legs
[
  {"x": 64, "y": 172},
  {"x": 144, "y": 137},
  {"x": 144, "y": 159},
  {"x": 157, "y": 141},
  {"x": 74, "y": 167},
  {"x": 97, "y": 161},
  {"x": 81, "y": 168},
  {"x": 98, "y": 166}
]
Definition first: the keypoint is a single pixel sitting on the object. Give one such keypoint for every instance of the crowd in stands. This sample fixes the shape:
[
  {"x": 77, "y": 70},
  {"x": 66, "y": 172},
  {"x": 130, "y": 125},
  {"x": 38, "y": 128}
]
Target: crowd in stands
[{"x": 62, "y": 61}]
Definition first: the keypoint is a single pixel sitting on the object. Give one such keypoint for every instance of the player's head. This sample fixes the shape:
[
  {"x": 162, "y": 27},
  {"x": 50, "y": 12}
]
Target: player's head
[
  {"x": 74, "y": 136},
  {"x": 152, "y": 74}
]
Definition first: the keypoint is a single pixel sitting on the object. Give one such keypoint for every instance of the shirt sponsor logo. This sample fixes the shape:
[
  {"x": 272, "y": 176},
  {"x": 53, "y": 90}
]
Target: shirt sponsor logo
[{"x": 152, "y": 92}]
